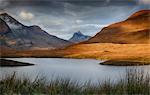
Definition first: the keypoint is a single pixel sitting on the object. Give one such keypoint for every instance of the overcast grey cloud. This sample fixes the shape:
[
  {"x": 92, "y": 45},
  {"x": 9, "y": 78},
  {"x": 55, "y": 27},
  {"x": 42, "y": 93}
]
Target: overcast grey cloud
[{"x": 64, "y": 17}]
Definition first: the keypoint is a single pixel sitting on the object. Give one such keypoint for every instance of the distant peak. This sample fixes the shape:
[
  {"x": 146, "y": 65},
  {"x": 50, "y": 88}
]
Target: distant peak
[
  {"x": 79, "y": 37},
  {"x": 78, "y": 33}
]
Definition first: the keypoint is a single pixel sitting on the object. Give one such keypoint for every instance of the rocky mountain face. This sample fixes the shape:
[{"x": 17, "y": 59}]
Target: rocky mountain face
[
  {"x": 4, "y": 28},
  {"x": 11, "y": 22},
  {"x": 134, "y": 30},
  {"x": 79, "y": 37},
  {"x": 18, "y": 36}
]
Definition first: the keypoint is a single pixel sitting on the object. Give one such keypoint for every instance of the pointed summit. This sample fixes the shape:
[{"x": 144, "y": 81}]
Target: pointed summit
[
  {"x": 11, "y": 22},
  {"x": 78, "y": 37},
  {"x": 78, "y": 34}
]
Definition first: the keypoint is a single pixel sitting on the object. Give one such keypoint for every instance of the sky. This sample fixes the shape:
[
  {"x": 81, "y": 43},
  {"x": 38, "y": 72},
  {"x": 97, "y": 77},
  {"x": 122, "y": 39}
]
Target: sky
[{"x": 64, "y": 17}]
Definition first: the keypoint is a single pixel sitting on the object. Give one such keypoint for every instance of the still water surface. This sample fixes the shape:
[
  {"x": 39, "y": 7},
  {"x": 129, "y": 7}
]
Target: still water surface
[{"x": 81, "y": 70}]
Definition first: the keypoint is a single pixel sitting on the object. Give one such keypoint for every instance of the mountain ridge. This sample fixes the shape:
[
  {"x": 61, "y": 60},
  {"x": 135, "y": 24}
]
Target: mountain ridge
[{"x": 24, "y": 37}]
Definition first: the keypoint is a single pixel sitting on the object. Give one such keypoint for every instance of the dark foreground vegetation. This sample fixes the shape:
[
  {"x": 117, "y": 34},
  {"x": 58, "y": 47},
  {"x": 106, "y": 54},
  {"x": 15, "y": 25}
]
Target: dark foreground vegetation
[
  {"x": 12, "y": 63},
  {"x": 135, "y": 83}
]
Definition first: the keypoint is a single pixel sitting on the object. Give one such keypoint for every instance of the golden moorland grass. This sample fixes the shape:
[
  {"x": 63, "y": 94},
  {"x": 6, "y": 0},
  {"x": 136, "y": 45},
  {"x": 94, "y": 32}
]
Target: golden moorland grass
[
  {"x": 135, "y": 53},
  {"x": 111, "y": 51}
]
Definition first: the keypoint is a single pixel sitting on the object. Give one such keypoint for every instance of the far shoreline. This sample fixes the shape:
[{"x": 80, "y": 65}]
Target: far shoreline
[{"x": 124, "y": 63}]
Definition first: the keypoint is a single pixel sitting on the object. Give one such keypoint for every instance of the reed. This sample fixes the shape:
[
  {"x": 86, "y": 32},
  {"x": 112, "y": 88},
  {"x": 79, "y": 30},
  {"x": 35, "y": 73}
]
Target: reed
[{"x": 136, "y": 82}]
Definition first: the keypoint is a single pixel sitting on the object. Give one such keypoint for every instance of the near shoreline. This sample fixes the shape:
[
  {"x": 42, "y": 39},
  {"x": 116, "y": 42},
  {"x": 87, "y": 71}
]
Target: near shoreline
[{"x": 11, "y": 63}]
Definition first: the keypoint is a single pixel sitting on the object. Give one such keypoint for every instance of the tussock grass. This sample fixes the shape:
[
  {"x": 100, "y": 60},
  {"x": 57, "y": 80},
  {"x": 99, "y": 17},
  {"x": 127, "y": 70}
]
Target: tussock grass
[{"x": 136, "y": 82}]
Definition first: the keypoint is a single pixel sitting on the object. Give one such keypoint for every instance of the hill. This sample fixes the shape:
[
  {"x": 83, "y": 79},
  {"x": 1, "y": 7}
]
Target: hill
[{"x": 134, "y": 30}]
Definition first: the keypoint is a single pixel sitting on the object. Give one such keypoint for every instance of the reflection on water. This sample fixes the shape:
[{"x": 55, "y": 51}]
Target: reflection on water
[{"x": 77, "y": 69}]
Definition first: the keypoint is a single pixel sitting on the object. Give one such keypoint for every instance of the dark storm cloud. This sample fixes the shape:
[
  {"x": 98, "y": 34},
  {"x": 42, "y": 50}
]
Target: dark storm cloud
[
  {"x": 98, "y": 3},
  {"x": 52, "y": 3},
  {"x": 64, "y": 17}
]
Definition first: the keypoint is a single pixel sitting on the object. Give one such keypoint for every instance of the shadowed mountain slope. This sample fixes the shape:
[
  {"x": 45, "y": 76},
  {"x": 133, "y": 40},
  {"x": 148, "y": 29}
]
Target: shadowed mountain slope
[
  {"x": 28, "y": 37},
  {"x": 4, "y": 28}
]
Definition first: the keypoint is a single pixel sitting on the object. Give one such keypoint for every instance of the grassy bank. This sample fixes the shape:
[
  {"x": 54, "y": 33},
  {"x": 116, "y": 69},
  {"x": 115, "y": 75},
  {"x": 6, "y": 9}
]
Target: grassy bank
[
  {"x": 124, "y": 63},
  {"x": 135, "y": 83},
  {"x": 136, "y": 54}
]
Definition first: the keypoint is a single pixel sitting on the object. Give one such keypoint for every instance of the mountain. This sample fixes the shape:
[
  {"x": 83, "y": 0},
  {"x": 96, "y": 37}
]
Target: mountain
[
  {"x": 134, "y": 30},
  {"x": 79, "y": 37},
  {"x": 22, "y": 37},
  {"x": 109, "y": 44}
]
